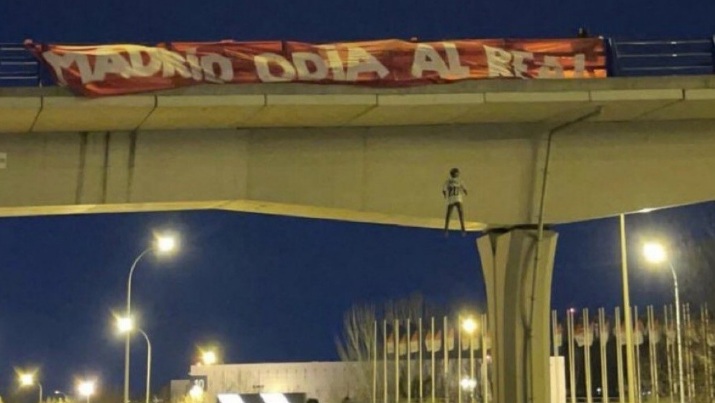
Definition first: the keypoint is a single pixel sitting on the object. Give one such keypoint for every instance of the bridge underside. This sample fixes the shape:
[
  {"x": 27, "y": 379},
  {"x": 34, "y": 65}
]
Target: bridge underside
[{"x": 572, "y": 150}]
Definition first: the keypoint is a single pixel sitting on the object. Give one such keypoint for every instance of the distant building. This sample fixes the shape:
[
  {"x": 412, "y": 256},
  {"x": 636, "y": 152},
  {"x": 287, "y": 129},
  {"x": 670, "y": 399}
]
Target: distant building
[{"x": 328, "y": 382}]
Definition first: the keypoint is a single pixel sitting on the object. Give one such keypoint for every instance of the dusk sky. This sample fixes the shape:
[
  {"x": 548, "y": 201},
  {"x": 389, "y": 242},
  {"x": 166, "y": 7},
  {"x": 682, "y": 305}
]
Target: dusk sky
[
  {"x": 274, "y": 288},
  {"x": 266, "y": 288}
]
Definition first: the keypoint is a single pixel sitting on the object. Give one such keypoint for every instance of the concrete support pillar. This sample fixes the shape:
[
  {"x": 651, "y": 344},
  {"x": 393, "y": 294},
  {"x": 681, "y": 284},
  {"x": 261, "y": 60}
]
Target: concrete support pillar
[{"x": 519, "y": 303}]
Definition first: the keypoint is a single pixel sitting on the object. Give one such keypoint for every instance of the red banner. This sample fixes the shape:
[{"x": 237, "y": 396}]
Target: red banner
[{"x": 123, "y": 69}]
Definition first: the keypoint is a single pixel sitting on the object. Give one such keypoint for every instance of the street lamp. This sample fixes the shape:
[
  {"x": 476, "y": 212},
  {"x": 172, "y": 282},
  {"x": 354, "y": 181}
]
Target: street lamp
[
  {"x": 27, "y": 379},
  {"x": 655, "y": 253},
  {"x": 162, "y": 245},
  {"x": 126, "y": 325},
  {"x": 86, "y": 389},
  {"x": 209, "y": 357}
]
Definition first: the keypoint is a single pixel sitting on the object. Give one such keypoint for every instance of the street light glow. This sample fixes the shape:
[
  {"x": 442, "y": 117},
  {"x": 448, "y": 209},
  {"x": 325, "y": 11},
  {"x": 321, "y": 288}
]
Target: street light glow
[
  {"x": 654, "y": 252},
  {"x": 165, "y": 243},
  {"x": 125, "y": 324},
  {"x": 27, "y": 379},
  {"x": 196, "y": 392},
  {"x": 468, "y": 383},
  {"x": 209, "y": 357},
  {"x": 469, "y": 325},
  {"x": 86, "y": 388}
]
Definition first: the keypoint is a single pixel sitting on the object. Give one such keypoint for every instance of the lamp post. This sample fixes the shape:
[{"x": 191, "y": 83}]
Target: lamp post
[
  {"x": 27, "y": 380},
  {"x": 86, "y": 389},
  {"x": 630, "y": 359},
  {"x": 126, "y": 326},
  {"x": 656, "y": 254},
  {"x": 162, "y": 245}
]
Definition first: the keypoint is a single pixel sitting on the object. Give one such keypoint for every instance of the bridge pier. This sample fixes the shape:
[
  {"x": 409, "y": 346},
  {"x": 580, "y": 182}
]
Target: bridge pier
[{"x": 519, "y": 303}]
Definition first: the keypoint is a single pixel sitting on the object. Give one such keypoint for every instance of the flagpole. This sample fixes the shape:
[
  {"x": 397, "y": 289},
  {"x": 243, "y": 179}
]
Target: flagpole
[
  {"x": 419, "y": 343},
  {"x": 433, "y": 374},
  {"x": 446, "y": 361},
  {"x": 396, "y": 332},
  {"x": 408, "y": 339},
  {"x": 459, "y": 359},
  {"x": 374, "y": 364},
  {"x": 384, "y": 360}
]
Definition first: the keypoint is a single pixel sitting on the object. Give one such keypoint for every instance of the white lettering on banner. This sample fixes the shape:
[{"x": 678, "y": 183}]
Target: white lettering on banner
[
  {"x": 140, "y": 69},
  {"x": 263, "y": 62},
  {"x": 579, "y": 65},
  {"x": 112, "y": 63},
  {"x": 551, "y": 68},
  {"x": 335, "y": 62},
  {"x": 193, "y": 61},
  {"x": 426, "y": 58},
  {"x": 225, "y": 68},
  {"x": 133, "y": 64},
  {"x": 520, "y": 68},
  {"x": 499, "y": 62},
  {"x": 309, "y": 66},
  {"x": 360, "y": 61},
  {"x": 59, "y": 62}
]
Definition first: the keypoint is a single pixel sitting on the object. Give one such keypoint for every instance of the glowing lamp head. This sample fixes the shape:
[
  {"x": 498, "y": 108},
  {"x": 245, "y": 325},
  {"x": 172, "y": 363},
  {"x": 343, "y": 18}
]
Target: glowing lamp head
[
  {"x": 469, "y": 325},
  {"x": 196, "y": 392},
  {"x": 209, "y": 357},
  {"x": 468, "y": 383},
  {"x": 27, "y": 379},
  {"x": 165, "y": 244},
  {"x": 654, "y": 252},
  {"x": 125, "y": 324},
  {"x": 86, "y": 388}
]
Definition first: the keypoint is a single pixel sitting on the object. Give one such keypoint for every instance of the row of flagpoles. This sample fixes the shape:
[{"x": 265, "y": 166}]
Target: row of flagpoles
[
  {"x": 413, "y": 360},
  {"x": 416, "y": 360},
  {"x": 655, "y": 354}
]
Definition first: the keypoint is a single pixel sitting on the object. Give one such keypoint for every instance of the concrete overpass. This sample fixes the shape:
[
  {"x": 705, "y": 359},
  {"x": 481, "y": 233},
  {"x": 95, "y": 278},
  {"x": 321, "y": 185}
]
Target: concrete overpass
[{"x": 532, "y": 153}]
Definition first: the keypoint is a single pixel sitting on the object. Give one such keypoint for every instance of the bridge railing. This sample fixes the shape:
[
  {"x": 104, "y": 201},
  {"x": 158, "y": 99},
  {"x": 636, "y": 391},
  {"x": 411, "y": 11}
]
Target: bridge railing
[
  {"x": 626, "y": 58},
  {"x": 18, "y": 67},
  {"x": 661, "y": 58}
]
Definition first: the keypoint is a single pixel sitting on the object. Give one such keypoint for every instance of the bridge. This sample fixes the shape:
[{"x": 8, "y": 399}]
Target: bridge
[{"x": 533, "y": 153}]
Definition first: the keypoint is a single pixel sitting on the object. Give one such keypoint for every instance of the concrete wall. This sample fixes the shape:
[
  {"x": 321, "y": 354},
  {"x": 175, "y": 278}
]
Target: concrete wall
[
  {"x": 392, "y": 175},
  {"x": 329, "y": 382}
]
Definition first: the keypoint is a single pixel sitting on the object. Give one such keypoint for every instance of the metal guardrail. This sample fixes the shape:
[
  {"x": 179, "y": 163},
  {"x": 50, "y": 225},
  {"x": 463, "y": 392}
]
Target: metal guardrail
[
  {"x": 661, "y": 58},
  {"x": 626, "y": 58},
  {"x": 18, "y": 67}
]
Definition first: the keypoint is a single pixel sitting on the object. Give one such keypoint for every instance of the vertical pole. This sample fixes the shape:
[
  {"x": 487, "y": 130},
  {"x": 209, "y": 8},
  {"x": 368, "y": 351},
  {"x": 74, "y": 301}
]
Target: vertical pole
[
  {"x": 446, "y": 360},
  {"x": 669, "y": 353},
  {"x": 485, "y": 364},
  {"x": 554, "y": 331},
  {"x": 637, "y": 348},
  {"x": 603, "y": 341},
  {"x": 630, "y": 370},
  {"x": 572, "y": 364},
  {"x": 678, "y": 329},
  {"x": 587, "y": 341},
  {"x": 433, "y": 374},
  {"x": 691, "y": 372},
  {"x": 408, "y": 335},
  {"x": 396, "y": 332},
  {"x": 384, "y": 361},
  {"x": 619, "y": 357},
  {"x": 459, "y": 359},
  {"x": 421, "y": 363},
  {"x": 472, "y": 381},
  {"x": 652, "y": 352},
  {"x": 708, "y": 353},
  {"x": 374, "y": 363}
]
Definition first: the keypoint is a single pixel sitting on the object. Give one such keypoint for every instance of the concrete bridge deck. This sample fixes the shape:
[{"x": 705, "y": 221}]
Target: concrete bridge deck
[{"x": 303, "y": 105}]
